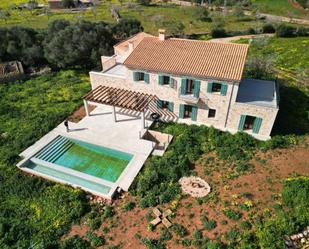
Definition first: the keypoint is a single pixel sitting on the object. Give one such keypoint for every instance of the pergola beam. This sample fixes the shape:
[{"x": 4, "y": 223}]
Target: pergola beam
[{"x": 121, "y": 98}]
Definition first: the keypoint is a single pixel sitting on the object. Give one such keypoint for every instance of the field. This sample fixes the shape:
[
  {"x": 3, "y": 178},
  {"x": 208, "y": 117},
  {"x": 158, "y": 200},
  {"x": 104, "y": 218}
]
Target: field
[
  {"x": 280, "y": 8},
  {"x": 152, "y": 17}
]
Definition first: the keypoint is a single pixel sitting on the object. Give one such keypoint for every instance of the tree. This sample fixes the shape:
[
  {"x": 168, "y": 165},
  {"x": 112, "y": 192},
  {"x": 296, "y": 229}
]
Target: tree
[
  {"x": 77, "y": 45},
  {"x": 5, "y": 15},
  {"x": 284, "y": 30},
  {"x": 126, "y": 28},
  {"x": 174, "y": 28},
  {"x": 202, "y": 14},
  {"x": 260, "y": 68},
  {"x": 68, "y": 3},
  {"x": 144, "y": 2}
]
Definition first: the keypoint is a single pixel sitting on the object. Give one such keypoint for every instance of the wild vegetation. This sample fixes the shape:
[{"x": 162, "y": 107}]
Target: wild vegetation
[
  {"x": 34, "y": 212},
  {"x": 64, "y": 44}
]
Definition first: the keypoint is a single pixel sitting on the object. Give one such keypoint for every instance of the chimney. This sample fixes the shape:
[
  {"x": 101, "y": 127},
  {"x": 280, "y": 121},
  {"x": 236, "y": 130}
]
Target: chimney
[
  {"x": 161, "y": 34},
  {"x": 131, "y": 46}
]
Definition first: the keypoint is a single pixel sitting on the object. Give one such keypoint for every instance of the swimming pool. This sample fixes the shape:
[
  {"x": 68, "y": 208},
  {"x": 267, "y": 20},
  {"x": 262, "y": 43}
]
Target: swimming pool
[
  {"x": 78, "y": 163},
  {"x": 98, "y": 161}
]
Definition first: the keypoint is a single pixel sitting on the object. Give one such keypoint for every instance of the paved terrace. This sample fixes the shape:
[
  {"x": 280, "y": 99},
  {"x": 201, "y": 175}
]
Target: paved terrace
[{"x": 100, "y": 129}]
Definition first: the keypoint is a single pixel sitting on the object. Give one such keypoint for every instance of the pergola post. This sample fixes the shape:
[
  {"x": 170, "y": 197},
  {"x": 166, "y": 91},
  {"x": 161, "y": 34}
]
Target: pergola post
[
  {"x": 143, "y": 120},
  {"x": 86, "y": 107},
  {"x": 114, "y": 113}
]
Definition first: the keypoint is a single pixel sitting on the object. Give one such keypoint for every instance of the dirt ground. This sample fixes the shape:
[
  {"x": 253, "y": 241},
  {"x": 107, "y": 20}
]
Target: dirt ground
[
  {"x": 80, "y": 113},
  {"x": 261, "y": 186}
]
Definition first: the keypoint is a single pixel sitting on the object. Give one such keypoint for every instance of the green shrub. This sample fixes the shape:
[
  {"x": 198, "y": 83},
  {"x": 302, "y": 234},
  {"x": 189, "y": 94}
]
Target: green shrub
[
  {"x": 284, "y": 30},
  {"x": 231, "y": 214},
  {"x": 197, "y": 234},
  {"x": 75, "y": 242},
  {"x": 129, "y": 206},
  {"x": 95, "y": 240},
  {"x": 268, "y": 28},
  {"x": 245, "y": 225},
  {"x": 153, "y": 243},
  {"x": 108, "y": 212},
  {"x": 218, "y": 32},
  {"x": 179, "y": 230},
  {"x": 165, "y": 235},
  {"x": 208, "y": 224}
]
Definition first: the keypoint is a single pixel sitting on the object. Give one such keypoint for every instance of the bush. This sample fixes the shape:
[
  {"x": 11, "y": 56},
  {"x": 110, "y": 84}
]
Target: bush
[
  {"x": 95, "y": 240},
  {"x": 208, "y": 224},
  {"x": 75, "y": 242},
  {"x": 302, "y": 31},
  {"x": 165, "y": 235},
  {"x": 268, "y": 28},
  {"x": 129, "y": 206},
  {"x": 108, "y": 212},
  {"x": 284, "y": 30},
  {"x": 144, "y": 2},
  {"x": 245, "y": 225},
  {"x": 179, "y": 230},
  {"x": 231, "y": 214},
  {"x": 218, "y": 33},
  {"x": 197, "y": 234}
]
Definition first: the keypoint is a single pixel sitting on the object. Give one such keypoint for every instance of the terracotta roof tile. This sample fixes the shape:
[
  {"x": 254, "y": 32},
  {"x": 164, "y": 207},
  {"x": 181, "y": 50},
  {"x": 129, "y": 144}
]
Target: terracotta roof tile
[{"x": 189, "y": 57}]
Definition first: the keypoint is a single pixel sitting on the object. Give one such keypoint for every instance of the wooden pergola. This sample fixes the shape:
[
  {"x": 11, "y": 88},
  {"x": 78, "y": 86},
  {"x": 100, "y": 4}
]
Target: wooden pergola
[{"x": 121, "y": 98}]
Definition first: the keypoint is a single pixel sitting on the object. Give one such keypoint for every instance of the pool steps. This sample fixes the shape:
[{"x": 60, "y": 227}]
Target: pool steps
[{"x": 54, "y": 149}]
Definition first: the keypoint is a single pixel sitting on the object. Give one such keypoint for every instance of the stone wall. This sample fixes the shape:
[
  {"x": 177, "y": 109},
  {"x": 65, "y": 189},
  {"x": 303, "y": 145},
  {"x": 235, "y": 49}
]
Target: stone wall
[{"x": 227, "y": 110}]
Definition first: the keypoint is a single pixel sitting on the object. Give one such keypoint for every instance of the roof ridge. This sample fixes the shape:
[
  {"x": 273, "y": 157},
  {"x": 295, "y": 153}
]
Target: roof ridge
[{"x": 132, "y": 36}]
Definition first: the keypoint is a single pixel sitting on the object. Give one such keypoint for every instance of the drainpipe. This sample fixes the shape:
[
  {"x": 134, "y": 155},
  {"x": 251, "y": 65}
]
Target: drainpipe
[{"x": 229, "y": 106}]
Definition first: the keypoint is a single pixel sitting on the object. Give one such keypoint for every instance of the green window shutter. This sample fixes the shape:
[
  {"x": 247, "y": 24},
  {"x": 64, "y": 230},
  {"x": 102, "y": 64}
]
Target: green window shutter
[
  {"x": 146, "y": 77},
  {"x": 196, "y": 91},
  {"x": 160, "y": 79},
  {"x": 159, "y": 103},
  {"x": 194, "y": 113},
  {"x": 209, "y": 87},
  {"x": 181, "y": 111},
  {"x": 223, "y": 89},
  {"x": 135, "y": 76},
  {"x": 171, "y": 106},
  {"x": 241, "y": 122},
  {"x": 183, "y": 86},
  {"x": 257, "y": 125},
  {"x": 171, "y": 83}
]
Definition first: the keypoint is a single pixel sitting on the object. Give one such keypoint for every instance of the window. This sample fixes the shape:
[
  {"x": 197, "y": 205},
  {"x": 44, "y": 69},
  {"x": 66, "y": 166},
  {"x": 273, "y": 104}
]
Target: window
[
  {"x": 188, "y": 111},
  {"x": 189, "y": 86},
  {"x": 141, "y": 76},
  {"x": 164, "y": 105},
  {"x": 216, "y": 87},
  {"x": 249, "y": 122},
  {"x": 211, "y": 113},
  {"x": 166, "y": 80}
]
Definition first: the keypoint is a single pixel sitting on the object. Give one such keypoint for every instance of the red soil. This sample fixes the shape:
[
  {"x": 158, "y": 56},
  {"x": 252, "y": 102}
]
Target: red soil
[
  {"x": 263, "y": 184},
  {"x": 80, "y": 113}
]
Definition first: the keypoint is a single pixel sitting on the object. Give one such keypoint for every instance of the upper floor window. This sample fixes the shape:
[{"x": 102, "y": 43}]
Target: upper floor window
[
  {"x": 165, "y": 80},
  {"x": 141, "y": 76},
  {"x": 190, "y": 87},
  {"x": 217, "y": 87}
]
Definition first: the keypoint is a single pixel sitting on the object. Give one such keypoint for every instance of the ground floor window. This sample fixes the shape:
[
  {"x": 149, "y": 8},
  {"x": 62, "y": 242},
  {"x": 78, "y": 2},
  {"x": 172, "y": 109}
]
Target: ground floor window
[
  {"x": 212, "y": 113},
  {"x": 188, "y": 111},
  {"x": 248, "y": 123},
  {"x": 165, "y": 105}
]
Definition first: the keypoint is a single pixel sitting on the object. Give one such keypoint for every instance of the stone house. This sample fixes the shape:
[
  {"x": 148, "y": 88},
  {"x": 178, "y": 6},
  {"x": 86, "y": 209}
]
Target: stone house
[{"x": 200, "y": 82}]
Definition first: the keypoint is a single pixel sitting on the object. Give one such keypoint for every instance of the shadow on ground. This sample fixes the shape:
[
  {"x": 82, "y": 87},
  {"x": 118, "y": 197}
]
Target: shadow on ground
[{"x": 293, "y": 115}]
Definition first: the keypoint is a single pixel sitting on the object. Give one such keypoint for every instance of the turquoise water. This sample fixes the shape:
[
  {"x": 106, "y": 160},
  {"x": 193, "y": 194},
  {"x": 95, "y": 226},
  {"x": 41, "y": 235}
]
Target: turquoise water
[
  {"x": 98, "y": 161},
  {"x": 69, "y": 178}
]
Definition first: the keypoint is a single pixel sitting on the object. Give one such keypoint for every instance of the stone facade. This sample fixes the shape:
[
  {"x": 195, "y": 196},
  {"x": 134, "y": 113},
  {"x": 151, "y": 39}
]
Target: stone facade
[{"x": 228, "y": 110}]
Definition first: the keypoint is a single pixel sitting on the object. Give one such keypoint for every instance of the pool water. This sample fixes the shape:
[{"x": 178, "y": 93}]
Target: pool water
[
  {"x": 98, "y": 161},
  {"x": 69, "y": 178}
]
